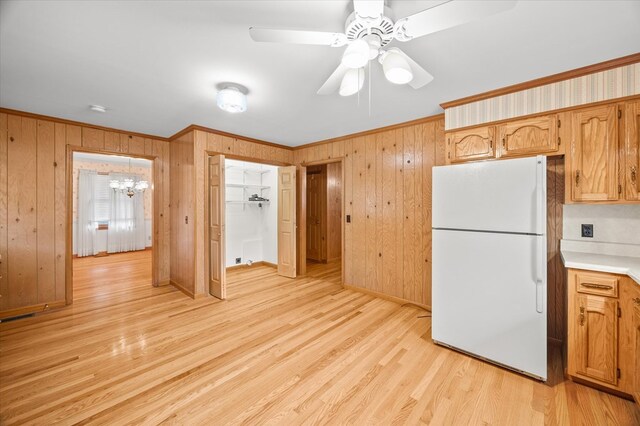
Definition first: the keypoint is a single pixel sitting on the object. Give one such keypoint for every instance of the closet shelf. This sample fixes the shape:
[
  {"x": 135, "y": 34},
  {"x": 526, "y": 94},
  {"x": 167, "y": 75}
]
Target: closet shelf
[{"x": 243, "y": 185}]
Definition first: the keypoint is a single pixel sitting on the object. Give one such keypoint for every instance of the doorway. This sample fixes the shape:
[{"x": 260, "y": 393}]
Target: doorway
[
  {"x": 112, "y": 211},
  {"x": 324, "y": 233},
  {"x": 251, "y": 219}
]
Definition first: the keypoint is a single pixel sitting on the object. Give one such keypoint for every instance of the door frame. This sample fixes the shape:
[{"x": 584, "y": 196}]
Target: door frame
[
  {"x": 302, "y": 216},
  {"x": 207, "y": 251},
  {"x": 69, "y": 215}
]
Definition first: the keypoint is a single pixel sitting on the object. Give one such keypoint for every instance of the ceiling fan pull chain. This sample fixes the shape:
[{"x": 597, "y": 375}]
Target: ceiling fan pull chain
[
  {"x": 358, "y": 90},
  {"x": 369, "y": 88}
]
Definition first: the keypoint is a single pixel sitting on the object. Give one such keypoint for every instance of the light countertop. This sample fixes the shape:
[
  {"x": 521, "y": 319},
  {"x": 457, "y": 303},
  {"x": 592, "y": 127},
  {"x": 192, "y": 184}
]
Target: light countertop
[{"x": 623, "y": 265}]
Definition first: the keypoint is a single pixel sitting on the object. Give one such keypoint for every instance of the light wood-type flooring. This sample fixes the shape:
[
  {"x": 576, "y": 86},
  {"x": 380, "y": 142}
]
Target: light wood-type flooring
[{"x": 278, "y": 351}]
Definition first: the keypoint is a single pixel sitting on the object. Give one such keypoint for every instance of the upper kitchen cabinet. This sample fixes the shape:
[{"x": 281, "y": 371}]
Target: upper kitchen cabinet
[
  {"x": 471, "y": 144},
  {"x": 530, "y": 136},
  {"x": 632, "y": 151},
  {"x": 593, "y": 167}
]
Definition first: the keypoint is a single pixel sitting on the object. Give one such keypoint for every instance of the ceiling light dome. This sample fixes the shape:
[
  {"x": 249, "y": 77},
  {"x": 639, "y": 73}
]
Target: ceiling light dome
[
  {"x": 356, "y": 55},
  {"x": 231, "y": 99},
  {"x": 396, "y": 69},
  {"x": 352, "y": 82}
]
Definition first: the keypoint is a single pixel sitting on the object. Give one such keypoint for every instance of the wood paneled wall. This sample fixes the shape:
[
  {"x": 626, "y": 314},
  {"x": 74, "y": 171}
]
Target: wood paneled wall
[
  {"x": 182, "y": 213},
  {"x": 34, "y": 231},
  {"x": 387, "y": 186},
  {"x": 334, "y": 210},
  {"x": 556, "y": 273},
  {"x": 189, "y": 176}
]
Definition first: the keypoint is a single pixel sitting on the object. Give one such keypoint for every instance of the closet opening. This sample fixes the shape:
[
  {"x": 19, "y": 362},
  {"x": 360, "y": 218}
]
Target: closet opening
[
  {"x": 323, "y": 228},
  {"x": 251, "y": 224},
  {"x": 111, "y": 225},
  {"x": 251, "y": 211}
]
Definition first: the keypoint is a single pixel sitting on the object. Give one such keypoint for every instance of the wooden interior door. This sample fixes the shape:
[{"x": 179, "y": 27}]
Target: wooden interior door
[
  {"x": 217, "y": 270},
  {"x": 316, "y": 195},
  {"x": 596, "y": 337},
  {"x": 287, "y": 221},
  {"x": 594, "y": 144},
  {"x": 301, "y": 215},
  {"x": 632, "y": 151}
]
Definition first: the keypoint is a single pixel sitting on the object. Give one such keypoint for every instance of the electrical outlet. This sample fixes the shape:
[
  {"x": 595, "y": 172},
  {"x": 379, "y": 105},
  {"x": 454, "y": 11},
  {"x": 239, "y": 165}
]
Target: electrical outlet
[
  {"x": 587, "y": 230},
  {"x": 238, "y": 260}
]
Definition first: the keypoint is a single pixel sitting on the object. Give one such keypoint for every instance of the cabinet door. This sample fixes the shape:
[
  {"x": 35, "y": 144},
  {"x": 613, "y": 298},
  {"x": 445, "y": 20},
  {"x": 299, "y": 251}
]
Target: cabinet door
[
  {"x": 632, "y": 151},
  {"x": 473, "y": 144},
  {"x": 594, "y": 144},
  {"x": 537, "y": 135},
  {"x": 596, "y": 338}
]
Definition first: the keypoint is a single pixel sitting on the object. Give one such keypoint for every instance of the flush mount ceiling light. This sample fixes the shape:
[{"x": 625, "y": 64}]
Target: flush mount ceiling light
[
  {"x": 232, "y": 99},
  {"x": 97, "y": 108},
  {"x": 396, "y": 68}
]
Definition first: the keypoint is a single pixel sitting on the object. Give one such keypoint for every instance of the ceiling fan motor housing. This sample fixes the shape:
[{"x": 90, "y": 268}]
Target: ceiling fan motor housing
[{"x": 356, "y": 27}]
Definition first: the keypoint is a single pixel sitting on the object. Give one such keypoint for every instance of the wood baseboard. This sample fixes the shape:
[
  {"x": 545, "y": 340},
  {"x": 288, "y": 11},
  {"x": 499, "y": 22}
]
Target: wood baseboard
[
  {"x": 394, "y": 299},
  {"x": 106, "y": 253},
  {"x": 253, "y": 265},
  {"x": 182, "y": 289},
  {"x": 32, "y": 309}
]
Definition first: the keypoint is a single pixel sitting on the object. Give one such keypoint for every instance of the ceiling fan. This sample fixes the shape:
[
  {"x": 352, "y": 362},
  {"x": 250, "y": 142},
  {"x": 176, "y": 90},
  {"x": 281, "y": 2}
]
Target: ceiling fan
[{"x": 368, "y": 31}]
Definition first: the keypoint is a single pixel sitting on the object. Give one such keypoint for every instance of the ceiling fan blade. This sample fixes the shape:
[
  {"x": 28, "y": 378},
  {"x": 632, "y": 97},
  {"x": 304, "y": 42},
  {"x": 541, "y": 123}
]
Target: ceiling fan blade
[
  {"x": 447, "y": 15},
  {"x": 274, "y": 35},
  {"x": 333, "y": 82},
  {"x": 420, "y": 76},
  {"x": 369, "y": 9}
]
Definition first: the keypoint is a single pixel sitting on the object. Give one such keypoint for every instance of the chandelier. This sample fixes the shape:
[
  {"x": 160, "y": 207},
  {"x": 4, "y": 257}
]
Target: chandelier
[{"x": 128, "y": 186}]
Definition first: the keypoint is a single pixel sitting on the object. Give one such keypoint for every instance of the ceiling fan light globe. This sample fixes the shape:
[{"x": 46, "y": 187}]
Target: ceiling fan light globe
[
  {"x": 396, "y": 69},
  {"x": 352, "y": 82},
  {"x": 356, "y": 55}
]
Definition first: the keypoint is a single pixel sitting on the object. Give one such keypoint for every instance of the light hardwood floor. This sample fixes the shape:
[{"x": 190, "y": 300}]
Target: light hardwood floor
[{"x": 278, "y": 350}]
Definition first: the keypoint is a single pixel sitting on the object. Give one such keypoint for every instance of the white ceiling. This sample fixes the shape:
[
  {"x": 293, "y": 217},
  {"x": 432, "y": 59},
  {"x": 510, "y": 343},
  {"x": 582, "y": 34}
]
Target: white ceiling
[{"x": 156, "y": 65}]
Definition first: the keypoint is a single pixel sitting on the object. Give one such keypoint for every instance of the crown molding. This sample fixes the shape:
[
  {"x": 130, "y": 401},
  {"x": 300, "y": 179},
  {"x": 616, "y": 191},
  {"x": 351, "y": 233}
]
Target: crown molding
[{"x": 77, "y": 123}]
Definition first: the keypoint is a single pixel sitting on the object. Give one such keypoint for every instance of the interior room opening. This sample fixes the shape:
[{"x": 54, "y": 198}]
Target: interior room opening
[
  {"x": 112, "y": 224},
  {"x": 324, "y": 218},
  {"x": 251, "y": 211}
]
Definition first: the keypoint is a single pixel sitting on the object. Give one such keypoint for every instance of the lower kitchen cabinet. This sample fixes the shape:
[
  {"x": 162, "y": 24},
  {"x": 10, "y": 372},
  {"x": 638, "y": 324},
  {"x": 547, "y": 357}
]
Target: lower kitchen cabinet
[
  {"x": 603, "y": 330},
  {"x": 596, "y": 338}
]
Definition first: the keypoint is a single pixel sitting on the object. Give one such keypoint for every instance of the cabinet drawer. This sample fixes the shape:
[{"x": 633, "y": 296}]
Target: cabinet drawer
[{"x": 597, "y": 284}]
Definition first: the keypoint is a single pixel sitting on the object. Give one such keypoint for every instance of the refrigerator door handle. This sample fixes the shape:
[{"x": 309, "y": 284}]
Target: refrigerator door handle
[{"x": 540, "y": 273}]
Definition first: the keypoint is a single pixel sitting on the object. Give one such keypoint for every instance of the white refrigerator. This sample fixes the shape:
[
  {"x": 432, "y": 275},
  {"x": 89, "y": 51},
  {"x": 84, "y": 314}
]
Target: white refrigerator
[{"x": 490, "y": 261}]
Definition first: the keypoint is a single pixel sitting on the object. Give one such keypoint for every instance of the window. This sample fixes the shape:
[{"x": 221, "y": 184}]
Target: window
[{"x": 102, "y": 204}]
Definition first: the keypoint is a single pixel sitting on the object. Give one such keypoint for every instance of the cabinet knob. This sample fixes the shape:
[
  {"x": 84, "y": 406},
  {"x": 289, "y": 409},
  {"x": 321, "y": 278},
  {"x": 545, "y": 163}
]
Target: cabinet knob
[
  {"x": 581, "y": 315},
  {"x": 636, "y": 301},
  {"x": 577, "y": 177},
  {"x": 633, "y": 174}
]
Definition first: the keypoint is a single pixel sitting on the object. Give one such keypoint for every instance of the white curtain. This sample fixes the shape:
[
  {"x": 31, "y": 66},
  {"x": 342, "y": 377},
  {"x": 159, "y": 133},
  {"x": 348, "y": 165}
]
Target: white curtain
[
  {"x": 126, "y": 219},
  {"x": 86, "y": 226}
]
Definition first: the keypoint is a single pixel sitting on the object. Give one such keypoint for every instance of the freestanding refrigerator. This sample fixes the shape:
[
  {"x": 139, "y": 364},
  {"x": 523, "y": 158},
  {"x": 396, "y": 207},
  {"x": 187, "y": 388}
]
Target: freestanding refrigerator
[{"x": 490, "y": 261}]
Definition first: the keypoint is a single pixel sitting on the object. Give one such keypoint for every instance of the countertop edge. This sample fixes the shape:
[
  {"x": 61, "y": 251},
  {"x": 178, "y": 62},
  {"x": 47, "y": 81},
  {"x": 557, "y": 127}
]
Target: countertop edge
[{"x": 631, "y": 272}]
